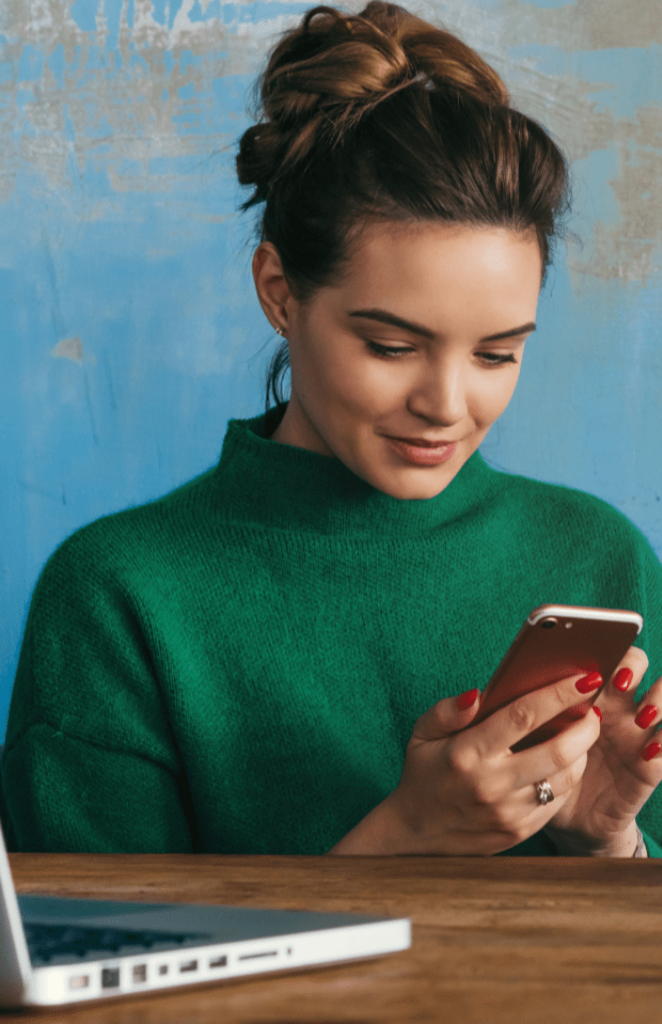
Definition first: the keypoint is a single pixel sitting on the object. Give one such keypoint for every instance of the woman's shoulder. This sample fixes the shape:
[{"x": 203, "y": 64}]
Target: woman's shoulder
[
  {"x": 142, "y": 535},
  {"x": 571, "y": 509}
]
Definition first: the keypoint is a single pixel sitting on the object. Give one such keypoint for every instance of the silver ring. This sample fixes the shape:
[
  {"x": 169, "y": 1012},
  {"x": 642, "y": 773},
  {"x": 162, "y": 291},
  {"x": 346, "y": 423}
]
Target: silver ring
[{"x": 544, "y": 792}]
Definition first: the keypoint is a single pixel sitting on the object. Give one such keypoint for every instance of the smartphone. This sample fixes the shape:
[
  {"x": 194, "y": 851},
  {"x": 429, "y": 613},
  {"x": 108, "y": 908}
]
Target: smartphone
[{"x": 557, "y": 641}]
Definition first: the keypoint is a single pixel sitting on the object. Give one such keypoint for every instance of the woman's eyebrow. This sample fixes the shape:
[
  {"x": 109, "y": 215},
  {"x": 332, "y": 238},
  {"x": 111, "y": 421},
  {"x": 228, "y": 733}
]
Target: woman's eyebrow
[
  {"x": 524, "y": 329},
  {"x": 384, "y": 317}
]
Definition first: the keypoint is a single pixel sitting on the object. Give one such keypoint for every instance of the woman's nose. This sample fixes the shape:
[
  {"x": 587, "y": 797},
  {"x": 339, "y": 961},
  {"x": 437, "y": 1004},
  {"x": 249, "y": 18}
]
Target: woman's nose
[{"x": 440, "y": 395}]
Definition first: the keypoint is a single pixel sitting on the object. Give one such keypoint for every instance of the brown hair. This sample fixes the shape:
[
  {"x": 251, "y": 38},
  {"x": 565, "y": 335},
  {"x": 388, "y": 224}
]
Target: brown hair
[{"x": 381, "y": 116}]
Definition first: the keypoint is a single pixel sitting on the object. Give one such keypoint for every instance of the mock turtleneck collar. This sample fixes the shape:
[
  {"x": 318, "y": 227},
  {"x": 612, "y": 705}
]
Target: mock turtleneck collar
[{"x": 282, "y": 486}]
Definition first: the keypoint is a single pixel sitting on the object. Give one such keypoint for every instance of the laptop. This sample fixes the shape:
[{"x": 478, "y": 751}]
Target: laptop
[{"x": 56, "y": 951}]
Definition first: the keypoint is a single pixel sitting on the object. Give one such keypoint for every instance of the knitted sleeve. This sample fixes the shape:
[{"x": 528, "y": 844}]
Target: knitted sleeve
[
  {"x": 650, "y": 640},
  {"x": 90, "y": 764}
]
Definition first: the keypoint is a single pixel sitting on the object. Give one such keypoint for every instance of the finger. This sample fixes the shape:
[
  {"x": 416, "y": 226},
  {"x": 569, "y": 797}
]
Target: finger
[
  {"x": 637, "y": 724},
  {"x": 624, "y": 680},
  {"x": 504, "y": 728},
  {"x": 640, "y": 744},
  {"x": 648, "y": 709},
  {"x": 651, "y": 755},
  {"x": 447, "y": 716},
  {"x": 561, "y": 783},
  {"x": 524, "y": 808},
  {"x": 631, "y": 730},
  {"x": 555, "y": 757},
  {"x": 627, "y": 725}
]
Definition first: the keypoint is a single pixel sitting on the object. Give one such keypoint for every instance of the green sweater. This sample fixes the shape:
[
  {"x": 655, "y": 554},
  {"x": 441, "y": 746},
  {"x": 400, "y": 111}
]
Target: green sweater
[{"x": 236, "y": 668}]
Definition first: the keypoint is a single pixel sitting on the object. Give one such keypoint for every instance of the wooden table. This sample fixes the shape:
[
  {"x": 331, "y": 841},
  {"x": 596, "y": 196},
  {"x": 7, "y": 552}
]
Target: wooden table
[{"x": 538, "y": 940}]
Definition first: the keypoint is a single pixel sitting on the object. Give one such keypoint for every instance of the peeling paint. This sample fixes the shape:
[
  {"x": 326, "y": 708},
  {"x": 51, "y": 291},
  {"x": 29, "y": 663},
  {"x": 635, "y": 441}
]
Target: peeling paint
[
  {"x": 72, "y": 348},
  {"x": 78, "y": 100},
  {"x": 69, "y": 348},
  {"x": 572, "y": 107}
]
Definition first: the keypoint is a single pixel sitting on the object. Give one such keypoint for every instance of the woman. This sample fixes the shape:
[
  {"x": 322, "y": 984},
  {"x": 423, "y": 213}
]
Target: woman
[{"x": 282, "y": 656}]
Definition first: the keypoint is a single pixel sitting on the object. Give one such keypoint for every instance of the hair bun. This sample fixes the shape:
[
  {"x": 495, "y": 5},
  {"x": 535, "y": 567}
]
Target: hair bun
[
  {"x": 325, "y": 74},
  {"x": 335, "y": 57}
]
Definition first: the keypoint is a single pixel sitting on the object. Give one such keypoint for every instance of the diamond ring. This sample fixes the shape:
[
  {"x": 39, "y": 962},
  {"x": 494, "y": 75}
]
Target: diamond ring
[{"x": 544, "y": 792}]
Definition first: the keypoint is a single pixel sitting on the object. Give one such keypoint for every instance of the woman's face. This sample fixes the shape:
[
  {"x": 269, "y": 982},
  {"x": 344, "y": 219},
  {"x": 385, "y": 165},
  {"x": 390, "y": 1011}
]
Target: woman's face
[{"x": 464, "y": 299}]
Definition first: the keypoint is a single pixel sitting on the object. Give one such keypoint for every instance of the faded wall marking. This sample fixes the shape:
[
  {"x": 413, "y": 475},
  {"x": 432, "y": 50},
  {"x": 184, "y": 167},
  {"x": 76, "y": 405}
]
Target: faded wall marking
[{"x": 69, "y": 348}]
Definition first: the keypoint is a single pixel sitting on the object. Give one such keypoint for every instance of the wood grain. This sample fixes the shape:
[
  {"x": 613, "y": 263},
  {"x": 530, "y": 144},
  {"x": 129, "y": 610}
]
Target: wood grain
[{"x": 530, "y": 940}]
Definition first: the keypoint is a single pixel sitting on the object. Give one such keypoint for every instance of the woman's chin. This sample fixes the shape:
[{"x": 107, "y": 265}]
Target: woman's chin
[{"x": 410, "y": 485}]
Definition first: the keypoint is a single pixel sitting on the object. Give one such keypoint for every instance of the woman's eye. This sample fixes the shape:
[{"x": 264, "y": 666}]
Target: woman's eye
[
  {"x": 496, "y": 360},
  {"x": 387, "y": 351}
]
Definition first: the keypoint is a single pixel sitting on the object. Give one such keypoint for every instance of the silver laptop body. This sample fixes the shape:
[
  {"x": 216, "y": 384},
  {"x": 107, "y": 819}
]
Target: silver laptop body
[{"x": 83, "y": 950}]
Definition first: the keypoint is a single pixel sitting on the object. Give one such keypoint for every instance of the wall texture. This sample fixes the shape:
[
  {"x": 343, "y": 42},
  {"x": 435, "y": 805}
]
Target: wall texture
[{"x": 130, "y": 330}]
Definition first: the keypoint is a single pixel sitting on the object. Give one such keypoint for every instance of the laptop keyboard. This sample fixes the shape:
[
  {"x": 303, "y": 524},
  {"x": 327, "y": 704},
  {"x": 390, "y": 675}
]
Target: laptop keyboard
[{"x": 46, "y": 941}]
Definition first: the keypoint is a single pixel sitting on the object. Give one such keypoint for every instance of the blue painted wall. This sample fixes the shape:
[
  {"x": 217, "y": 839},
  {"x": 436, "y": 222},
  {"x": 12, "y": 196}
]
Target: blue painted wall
[{"x": 130, "y": 328}]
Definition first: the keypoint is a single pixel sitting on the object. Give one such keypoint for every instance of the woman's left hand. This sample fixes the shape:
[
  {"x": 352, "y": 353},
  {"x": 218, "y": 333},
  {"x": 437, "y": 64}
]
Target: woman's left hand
[{"x": 624, "y": 767}]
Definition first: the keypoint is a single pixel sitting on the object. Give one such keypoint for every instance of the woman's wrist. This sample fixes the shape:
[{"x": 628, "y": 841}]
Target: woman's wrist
[
  {"x": 625, "y": 844},
  {"x": 380, "y": 833},
  {"x": 622, "y": 846}
]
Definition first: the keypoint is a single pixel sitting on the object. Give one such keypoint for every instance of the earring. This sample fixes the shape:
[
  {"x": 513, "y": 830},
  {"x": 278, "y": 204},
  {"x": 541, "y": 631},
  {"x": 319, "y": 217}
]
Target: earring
[{"x": 279, "y": 331}]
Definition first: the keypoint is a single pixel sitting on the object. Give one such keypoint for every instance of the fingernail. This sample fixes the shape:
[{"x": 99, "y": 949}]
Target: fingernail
[
  {"x": 465, "y": 700},
  {"x": 650, "y": 751},
  {"x": 597, "y": 711},
  {"x": 623, "y": 678},
  {"x": 589, "y": 682},
  {"x": 646, "y": 716}
]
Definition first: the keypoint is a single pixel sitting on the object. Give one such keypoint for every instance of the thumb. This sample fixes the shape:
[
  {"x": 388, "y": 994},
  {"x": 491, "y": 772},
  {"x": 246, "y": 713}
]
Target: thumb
[{"x": 447, "y": 716}]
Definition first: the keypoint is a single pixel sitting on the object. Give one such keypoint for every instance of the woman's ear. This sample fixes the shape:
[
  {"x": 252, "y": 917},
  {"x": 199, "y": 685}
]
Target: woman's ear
[{"x": 270, "y": 284}]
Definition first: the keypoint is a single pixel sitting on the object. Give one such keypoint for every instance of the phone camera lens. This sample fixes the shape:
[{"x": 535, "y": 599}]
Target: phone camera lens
[{"x": 548, "y": 623}]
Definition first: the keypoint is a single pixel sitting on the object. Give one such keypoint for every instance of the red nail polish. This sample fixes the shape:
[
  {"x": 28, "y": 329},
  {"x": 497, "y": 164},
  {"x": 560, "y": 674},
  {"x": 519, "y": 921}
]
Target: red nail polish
[
  {"x": 597, "y": 711},
  {"x": 623, "y": 678},
  {"x": 650, "y": 751},
  {"x": 589, "y": 682},
  {"x": 465, "y": 700},
  {"x": 646, "y": 716}
]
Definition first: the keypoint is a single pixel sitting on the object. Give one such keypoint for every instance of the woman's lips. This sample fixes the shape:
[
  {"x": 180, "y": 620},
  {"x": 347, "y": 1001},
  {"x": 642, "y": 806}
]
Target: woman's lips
[
  {"x": 419, "y": 442},
  {"x": 423, "y": 455}
]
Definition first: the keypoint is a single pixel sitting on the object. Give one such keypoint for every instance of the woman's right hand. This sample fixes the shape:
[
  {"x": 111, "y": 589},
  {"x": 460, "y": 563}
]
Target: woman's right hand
[{"x": 464, "y": 792}]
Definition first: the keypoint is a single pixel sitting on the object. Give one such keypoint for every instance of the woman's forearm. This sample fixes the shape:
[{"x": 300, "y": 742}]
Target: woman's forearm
[{"x": 380, "y": 833}]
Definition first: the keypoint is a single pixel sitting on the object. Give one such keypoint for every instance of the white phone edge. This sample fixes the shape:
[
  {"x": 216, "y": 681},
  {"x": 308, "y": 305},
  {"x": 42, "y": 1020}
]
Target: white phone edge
[{"x": 605, "y": 614}]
